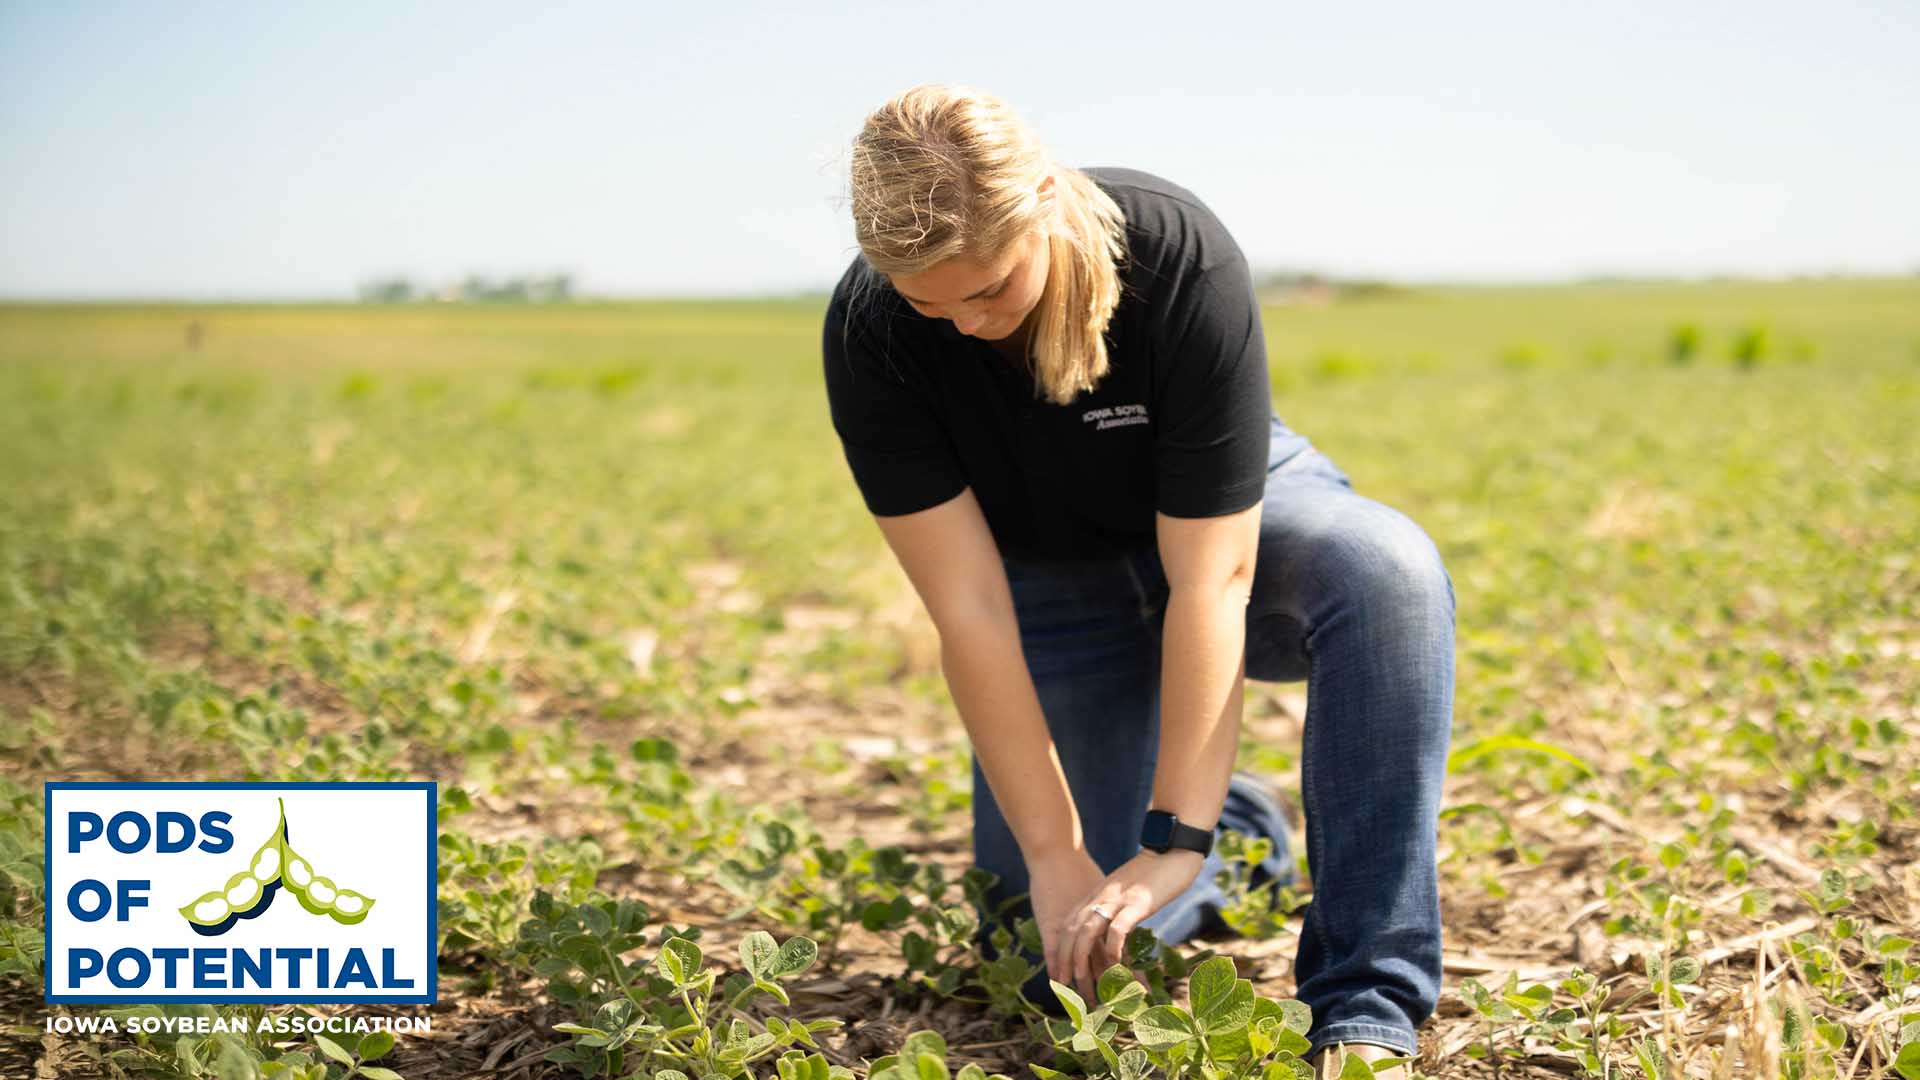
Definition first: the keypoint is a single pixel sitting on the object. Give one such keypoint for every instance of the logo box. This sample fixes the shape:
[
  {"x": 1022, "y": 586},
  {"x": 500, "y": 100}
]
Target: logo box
[{"x": 223, "y": 893}]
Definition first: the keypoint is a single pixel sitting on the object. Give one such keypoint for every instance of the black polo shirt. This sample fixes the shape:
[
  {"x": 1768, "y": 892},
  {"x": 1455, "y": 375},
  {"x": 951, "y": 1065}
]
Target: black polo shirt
[{"x": 1180, "y": 424}]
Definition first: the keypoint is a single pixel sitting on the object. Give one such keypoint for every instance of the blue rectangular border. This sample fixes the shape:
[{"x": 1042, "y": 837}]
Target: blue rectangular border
[{"x": 431, "y": 787}]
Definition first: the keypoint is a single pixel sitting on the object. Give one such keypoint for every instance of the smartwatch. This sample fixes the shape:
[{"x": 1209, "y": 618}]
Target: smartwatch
[{"x": 1163, "y": 832}]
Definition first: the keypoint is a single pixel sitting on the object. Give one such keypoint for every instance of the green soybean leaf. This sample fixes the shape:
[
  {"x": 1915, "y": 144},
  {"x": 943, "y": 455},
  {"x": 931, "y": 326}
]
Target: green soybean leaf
[
  {"x": 751, "y": 1046},
  {"x": 1494, "y": 744},
  {"x": 375, "y": 1072},
  {"x": 332, "y": 1049},
  {"x": 1291, "y": 1041},
  {"x": 1907, "y": 1064},
  {"x": 1162, "y": 1026},
  {"x": 1211, "y": 983},
  {"x": 772, "y": 989},
  {"x": 596, "y": 920},
  {"x": 232, "y": 1063},
  {"x": 1072, "y": 1002},
  {"x": 1222, "y": 1001},
  {"x": 923, "y": 1042},
  {"x": 1103, "y": 1046},
  {"x": 1652, "y": 1061},
  {"x": 757, "y": 952},
  {"x": 1355, "y": 1069},
  {"x": 613, "y": 1015},
  {"x": 970, "y": 1071},
  {"x": 1289, "y": 1069},
  {"x": 736, "y": 879},
  {"x": 375, "y": 1044},
  {"x": 930, "y": 1067},
  {"x": 796, "y": 956},
  {"x": 679, "y": 960},
  {"x": 1530, "y": 1000},
  {"x": 1125, "y": 1002},
  {"x": 1833, "y": 884},
  {"x": 1299, "y": 1015},
  {"x": 918, "y": 952},
  {"x": 877, "y": 915},
  {"x": 654, "y": 749},
  {"x": 1793, "y": 1029},
  {"x": 189, "y": 1061}
]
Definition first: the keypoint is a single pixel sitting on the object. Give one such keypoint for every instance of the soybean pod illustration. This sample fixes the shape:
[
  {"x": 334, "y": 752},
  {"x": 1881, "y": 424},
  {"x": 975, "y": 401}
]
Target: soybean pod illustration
[
  {"x": 319, "y": 894},
  {"x": 249, "y": 893}
]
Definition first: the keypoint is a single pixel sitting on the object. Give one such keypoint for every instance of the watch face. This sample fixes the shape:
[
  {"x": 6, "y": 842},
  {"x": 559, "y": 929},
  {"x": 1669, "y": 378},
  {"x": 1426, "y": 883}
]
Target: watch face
[{"x": 1157, "y": 832}]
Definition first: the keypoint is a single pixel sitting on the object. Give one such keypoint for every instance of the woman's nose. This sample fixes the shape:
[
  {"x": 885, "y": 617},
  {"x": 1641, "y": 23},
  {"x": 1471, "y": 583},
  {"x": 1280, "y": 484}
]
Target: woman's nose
[{"x": 969, "y": 322}]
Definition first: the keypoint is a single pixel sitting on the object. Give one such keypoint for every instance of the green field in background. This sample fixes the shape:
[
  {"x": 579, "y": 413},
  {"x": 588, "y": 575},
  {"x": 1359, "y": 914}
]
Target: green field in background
[{"x": 1565, "y": 464}]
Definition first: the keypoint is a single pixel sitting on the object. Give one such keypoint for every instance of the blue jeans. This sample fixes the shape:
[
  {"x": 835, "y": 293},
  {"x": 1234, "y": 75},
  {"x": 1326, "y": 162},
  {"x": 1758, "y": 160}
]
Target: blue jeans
[{"x": 1348, "y": 594}]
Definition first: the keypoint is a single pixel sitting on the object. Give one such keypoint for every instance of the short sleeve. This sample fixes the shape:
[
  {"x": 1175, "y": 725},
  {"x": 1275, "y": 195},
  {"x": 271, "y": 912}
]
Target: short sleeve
[
  {"x": 896, "y": 446},
  {"x": 1214, "y": 416}
]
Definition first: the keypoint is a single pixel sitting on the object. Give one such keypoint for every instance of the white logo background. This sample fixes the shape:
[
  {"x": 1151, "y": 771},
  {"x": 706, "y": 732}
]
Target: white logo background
[{"x": 374, "y": 840}]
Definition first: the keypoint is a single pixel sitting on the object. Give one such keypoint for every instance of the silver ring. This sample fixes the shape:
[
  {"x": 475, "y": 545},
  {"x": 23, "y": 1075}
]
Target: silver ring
[{"x": 1100, "y": 911}]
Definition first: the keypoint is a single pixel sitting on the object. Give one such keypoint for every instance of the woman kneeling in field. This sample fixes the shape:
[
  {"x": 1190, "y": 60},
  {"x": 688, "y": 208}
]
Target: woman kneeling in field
[{"x": 1051, "y": 387}]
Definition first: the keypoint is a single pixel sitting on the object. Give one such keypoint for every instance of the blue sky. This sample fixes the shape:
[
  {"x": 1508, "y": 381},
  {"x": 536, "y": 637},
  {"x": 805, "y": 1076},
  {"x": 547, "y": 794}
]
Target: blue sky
[{"x": 202, "y": 150}]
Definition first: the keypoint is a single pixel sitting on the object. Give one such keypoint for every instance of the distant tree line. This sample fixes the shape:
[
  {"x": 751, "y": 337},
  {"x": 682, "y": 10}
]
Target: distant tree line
[
  {"x": 474, "y": 289},
  {"x": 1290, "y": 286}
]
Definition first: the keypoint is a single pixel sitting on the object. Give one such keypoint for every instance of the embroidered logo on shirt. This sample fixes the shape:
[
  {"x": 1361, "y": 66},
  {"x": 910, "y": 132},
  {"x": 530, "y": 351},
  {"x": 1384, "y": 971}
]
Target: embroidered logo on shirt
[{"x": 1116, "y": 416}]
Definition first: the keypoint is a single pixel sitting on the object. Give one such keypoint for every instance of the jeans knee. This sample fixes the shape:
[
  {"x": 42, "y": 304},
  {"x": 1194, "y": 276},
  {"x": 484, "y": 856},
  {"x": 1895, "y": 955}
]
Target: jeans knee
[
  {"x": 1391, "y": 564},
  {"x": 1417, "y": 563}
]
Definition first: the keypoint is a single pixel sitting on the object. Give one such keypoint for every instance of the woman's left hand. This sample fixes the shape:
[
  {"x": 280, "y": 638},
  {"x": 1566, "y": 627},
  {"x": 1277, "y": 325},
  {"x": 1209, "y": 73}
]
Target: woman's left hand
[{"x": 1141, "y": 886}]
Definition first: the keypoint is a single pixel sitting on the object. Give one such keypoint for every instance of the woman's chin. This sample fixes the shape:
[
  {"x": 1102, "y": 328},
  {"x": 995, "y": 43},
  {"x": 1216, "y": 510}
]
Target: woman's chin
[{"x": 1000, "y": 331}]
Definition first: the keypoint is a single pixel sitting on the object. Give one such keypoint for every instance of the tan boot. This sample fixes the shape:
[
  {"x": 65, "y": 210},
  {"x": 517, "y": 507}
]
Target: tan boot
[{"x": 1328, "y": 1063}]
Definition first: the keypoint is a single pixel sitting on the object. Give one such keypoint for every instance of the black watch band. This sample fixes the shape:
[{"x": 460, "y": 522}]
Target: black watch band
[{"x": 1163, "y": 832}]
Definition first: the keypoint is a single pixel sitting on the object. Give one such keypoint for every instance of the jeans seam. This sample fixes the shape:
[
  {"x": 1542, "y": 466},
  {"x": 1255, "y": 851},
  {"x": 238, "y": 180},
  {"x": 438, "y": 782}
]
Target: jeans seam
[
  {"x": 1310, "y": 778},
  {"x": 1352, "y": 1031}
]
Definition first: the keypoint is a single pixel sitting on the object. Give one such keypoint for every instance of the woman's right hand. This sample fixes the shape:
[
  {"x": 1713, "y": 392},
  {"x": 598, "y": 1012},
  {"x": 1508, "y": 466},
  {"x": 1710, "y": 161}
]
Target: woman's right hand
[{"x": 1060, "y": 884}]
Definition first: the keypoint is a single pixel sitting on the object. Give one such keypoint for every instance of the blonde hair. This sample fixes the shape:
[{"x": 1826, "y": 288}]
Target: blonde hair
[{"x": 941, "y": 171}]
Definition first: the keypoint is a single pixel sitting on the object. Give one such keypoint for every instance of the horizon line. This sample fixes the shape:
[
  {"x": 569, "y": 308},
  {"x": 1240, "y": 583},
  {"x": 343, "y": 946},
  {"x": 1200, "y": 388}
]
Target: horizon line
[{"x": 1264, "y": 280}]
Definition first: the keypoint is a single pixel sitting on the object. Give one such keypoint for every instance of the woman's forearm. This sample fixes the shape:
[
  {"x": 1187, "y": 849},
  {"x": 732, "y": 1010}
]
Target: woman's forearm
[
  {"x": 1203, "y": 648},
  {"x": 987, "y": 675}
]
